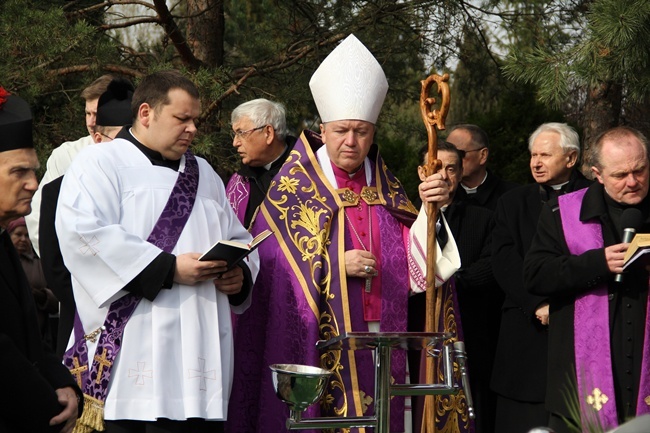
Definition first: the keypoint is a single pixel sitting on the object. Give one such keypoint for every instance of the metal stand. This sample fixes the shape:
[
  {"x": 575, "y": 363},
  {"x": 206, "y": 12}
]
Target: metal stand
[{"x": 383, "y": 344}]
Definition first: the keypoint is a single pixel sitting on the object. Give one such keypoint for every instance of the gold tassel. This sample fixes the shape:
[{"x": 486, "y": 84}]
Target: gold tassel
[{"x": 92, "y": 417}]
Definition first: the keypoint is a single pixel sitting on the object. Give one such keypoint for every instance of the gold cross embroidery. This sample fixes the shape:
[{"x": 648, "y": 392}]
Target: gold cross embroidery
[
  {"x": 103, "y": 362},
  {"x": 647, "y": 400},
  {"x": 366, "y": 401},
  {"x": 78, "y": 370},
  {"x": 369, "y": 195},
  {"x": 597, "y": 399},
  {"x": 349, "y": 197}
]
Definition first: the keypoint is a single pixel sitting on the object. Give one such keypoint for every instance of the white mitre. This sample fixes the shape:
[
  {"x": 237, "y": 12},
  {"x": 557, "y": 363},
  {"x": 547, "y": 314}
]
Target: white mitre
[{"x": 349, "y": 84}]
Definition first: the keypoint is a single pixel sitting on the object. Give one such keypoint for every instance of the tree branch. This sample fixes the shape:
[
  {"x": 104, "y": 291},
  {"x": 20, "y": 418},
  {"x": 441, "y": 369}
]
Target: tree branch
[
  {"x": 480, "y": 33},
  {"x": 106, "y": 4},
  {"x": 285, "y": 59},
  {"x": 124, "y": 24},
  {"x": 175, "y": 35},
  {"x": 123, "y": 70},
  {"x": 232, "y": 89}
]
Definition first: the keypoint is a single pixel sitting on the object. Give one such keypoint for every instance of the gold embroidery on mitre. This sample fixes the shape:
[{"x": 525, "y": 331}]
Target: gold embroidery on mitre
[
  {"x": 647, "y": 400},
  {"x": 369, "y": 195},
  {"x": 597, "y": 399},
  {"x": 348, "y": 197}
]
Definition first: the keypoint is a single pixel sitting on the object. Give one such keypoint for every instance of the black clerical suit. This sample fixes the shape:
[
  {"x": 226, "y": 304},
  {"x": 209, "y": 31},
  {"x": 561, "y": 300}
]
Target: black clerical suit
[
  {"x": 29, "y": 374},
  {"x": 479, "y": 301},
  {"x": 56, "y": 274},
  {"x": 550, "y": 270},
  {"x": 260, "y": 178},
  {"x": 487, "y": 194},
  {"x": 520, "y": 365}
]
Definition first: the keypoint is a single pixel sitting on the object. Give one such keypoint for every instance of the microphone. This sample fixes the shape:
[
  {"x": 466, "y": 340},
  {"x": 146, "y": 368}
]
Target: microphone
[
  {"x": 631, "y": 219},
  {"x": 461, "y": 358}
]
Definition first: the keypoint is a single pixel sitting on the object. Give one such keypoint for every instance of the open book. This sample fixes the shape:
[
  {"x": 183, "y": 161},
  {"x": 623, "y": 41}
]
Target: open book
[
  {"x": 232, "y": 251},
  {"x": 639, "y": 246}
]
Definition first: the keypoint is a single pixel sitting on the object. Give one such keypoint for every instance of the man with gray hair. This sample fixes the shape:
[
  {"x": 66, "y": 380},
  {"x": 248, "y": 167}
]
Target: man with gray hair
[
  {"x": 259, "y": 133},
  {"x": 40, "y": 395},
  {"x": 599, "y": 332},
  {"x": 519, "y": 374}
]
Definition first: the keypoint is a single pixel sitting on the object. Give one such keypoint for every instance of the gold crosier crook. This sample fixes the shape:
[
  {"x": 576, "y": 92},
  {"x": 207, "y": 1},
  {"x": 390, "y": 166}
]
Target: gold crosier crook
[{"x": 432, "y": 118}]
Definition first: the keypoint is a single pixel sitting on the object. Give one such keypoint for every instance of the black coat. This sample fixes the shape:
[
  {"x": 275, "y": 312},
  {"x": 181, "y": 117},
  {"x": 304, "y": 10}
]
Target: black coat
[
  {"x": 56, "y": 274},
  {"x": 487, "y": 194},
  {"x": 479, "y": 297},
  {"x": 550, "y": 270},
  {"x": 29, "y": 374},
  {"x": 479, "y": 301},
  {"x": 521, "y": 354}
]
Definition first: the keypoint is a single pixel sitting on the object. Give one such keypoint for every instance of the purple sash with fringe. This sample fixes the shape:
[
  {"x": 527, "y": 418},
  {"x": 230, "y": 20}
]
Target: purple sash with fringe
[
  {"x": 591, "y": 326},
  {"x": 165, "y": 235}
]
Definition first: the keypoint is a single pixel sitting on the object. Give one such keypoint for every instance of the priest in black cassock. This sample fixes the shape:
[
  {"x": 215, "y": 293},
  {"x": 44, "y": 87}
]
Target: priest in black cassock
[
  {"x": 39, "y": 394},
  {"x": 598, "y": 323},
  {"x": 519, "y": 377}
]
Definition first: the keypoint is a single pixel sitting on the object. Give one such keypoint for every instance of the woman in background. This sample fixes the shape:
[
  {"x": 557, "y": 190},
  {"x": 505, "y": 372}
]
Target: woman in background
[{"x": 46, "y": 302}]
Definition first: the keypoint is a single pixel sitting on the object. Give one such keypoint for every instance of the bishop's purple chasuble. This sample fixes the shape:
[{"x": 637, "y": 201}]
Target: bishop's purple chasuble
[{"x": 302, "y": 295}]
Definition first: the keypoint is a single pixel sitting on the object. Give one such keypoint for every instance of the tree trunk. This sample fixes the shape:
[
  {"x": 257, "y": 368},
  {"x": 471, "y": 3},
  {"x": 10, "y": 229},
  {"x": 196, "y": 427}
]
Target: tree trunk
[
  {"x": 205, "y": 30},
  {"x": 637, "y": 115},
  {"x": 602, "y": 111}
]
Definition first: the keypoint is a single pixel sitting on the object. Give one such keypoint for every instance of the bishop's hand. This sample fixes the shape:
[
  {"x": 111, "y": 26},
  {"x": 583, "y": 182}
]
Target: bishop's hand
[{"x": 360, "y": 263}]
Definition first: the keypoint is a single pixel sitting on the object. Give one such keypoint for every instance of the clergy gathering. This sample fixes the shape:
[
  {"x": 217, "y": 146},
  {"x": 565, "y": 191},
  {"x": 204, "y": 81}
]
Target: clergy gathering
[{"x": 459, "y": 301}]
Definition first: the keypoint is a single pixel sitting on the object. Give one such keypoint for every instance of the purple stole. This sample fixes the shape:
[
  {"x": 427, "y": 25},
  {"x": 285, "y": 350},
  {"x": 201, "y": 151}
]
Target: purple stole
[
  {"x": 305, "y": 295},
  {"x": 238, "y": 191},
  {"x": 591, "y": 327},
  {"x": 165, "y": 235}
]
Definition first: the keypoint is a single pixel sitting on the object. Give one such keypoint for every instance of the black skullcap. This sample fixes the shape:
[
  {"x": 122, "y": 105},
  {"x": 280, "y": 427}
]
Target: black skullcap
[
  {"x": 114, "y": 106},
  {"x": 15, "y": 122}
]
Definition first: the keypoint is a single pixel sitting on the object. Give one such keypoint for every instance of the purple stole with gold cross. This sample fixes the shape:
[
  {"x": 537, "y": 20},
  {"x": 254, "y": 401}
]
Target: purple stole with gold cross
[
  {"x": 165, "y": 235},
  {"x": 591, "y": 327}
]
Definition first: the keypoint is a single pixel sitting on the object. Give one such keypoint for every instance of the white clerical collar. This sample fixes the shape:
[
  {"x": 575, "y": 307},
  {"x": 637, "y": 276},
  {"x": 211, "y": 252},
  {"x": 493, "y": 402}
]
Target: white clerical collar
[
  {"x": 469, "y": 190},
  {"x": 559, "y": 186},
  {"x": 268, "y": 166},
  {"x": 328, "y": 171}
]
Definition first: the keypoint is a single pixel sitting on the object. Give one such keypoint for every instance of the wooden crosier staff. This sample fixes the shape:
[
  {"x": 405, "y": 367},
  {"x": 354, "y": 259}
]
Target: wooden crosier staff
[{"x": 432, "y": 118}]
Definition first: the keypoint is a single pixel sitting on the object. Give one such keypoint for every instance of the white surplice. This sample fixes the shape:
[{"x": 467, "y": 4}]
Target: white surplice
[
  {"x": 176, "y": 358},
  {"x": 56, "y": 166}
]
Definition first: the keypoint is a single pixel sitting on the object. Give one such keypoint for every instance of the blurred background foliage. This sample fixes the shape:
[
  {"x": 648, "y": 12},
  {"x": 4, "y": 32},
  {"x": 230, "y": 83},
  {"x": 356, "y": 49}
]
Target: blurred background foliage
[{"x": 513, "y": 64}]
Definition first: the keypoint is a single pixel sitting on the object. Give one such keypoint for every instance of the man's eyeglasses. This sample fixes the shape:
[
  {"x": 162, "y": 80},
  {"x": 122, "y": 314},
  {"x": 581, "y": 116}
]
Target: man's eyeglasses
[
  {"x": 474, "y": 150},
  {"x": 244, "y": 134}
]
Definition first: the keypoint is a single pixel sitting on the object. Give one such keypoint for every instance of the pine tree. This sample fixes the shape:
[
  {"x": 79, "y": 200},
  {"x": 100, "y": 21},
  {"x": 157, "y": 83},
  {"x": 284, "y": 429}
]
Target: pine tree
[{"x": 603, "y": 66}]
